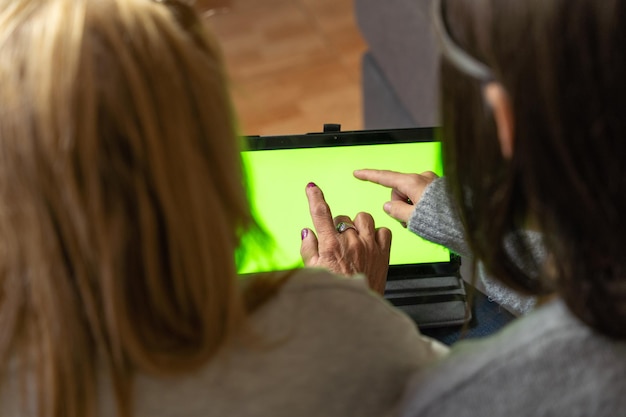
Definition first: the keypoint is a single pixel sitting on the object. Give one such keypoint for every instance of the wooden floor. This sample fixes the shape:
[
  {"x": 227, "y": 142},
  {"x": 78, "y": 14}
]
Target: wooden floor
[{"x": 294, "y": 64}]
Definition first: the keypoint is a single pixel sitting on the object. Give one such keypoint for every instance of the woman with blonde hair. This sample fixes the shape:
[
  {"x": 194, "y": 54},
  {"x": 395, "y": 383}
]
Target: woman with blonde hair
[{"x": 122, "y": 202}]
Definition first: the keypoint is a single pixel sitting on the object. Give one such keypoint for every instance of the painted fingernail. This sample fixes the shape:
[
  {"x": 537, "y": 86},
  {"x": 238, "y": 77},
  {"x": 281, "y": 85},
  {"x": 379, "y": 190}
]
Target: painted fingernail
[
  {"x": 304, "y": 233},
  {"x": 311, "y": 184},
  {"x": 387, "y": 207}
]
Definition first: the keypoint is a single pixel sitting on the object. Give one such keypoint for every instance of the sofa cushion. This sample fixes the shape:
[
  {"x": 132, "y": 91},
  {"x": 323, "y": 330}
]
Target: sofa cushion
[
  {"x": 400, "y": 39},
  {"x": 382, "y": 108}
]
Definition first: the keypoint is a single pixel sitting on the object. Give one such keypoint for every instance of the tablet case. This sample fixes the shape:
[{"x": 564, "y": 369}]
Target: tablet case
[
  {"x": 433, "y": 297},
  {"x": 432, "y": 294}
]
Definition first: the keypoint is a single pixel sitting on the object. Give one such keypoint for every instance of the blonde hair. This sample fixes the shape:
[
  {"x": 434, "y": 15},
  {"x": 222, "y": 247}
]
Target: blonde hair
[{"x": 121, "y": 196}]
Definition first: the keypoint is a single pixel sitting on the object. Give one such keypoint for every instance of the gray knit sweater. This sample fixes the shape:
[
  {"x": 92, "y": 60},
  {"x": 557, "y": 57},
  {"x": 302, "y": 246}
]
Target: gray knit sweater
[
  {"x": 435, "y": 219},
  {"x": 546, "y": 363}
]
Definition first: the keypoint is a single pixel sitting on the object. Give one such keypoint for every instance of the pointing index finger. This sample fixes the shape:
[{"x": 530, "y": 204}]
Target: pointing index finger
[
  {"x": 383, "y": 177},
  {"x": 320, "y": 211}
]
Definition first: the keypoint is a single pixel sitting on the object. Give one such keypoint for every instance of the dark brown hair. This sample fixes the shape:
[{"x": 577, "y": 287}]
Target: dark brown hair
[{"x": 562, "y": 63}]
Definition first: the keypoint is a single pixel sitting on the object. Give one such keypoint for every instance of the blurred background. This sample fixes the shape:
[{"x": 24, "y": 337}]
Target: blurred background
[{"x": 294, "y": 64}]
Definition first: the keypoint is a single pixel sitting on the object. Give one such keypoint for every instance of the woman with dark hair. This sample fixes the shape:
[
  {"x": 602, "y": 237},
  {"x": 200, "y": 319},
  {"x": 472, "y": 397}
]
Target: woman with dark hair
[{"x": 533, "y": 129}]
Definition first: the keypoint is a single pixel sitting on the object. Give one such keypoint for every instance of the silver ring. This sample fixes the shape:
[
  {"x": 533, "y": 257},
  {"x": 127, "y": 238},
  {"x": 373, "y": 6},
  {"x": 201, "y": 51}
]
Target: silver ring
[{"x": 343, "y": 226}]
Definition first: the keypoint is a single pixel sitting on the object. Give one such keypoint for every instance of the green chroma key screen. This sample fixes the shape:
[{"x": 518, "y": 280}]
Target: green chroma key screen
[{"x": 278, "y": 176}]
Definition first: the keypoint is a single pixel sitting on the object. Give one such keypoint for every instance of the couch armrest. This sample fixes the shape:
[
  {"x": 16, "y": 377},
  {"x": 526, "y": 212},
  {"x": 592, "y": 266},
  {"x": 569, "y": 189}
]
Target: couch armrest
[{"x": 400, "y": 39}]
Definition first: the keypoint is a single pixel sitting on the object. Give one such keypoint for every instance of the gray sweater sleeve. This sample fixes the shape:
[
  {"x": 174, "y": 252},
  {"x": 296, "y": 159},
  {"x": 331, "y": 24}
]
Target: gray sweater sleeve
[{"x": 435, "y": 219}]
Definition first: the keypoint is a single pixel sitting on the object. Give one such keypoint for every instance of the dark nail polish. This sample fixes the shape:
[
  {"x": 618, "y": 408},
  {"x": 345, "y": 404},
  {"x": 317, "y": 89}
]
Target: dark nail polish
[
  {"x": 311, "y": 184},
  {"x": 304, "y": 233}
]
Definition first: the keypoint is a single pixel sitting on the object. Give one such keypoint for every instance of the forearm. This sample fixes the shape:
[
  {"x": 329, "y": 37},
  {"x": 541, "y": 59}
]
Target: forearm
[{"x": 436, "y": 219}]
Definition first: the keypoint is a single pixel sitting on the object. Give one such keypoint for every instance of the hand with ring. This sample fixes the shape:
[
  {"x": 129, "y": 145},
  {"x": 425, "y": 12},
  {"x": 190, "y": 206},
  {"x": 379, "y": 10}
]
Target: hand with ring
[{"x": 344, "y": 246}]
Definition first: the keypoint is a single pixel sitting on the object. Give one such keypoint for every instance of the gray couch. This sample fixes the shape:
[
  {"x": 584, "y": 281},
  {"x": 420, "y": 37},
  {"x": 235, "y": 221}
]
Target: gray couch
[{"x": 399, "y": 69}]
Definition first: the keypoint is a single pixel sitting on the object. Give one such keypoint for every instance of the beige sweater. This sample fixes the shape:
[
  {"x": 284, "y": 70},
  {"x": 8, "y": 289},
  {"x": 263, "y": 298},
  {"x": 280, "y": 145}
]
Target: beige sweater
[{"x": 330, "y": 348}]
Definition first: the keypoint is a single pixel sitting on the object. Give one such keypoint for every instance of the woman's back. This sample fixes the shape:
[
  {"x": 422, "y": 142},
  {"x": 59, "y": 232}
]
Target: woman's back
[
  {"x": 545, "y": 364},
  {"x": 322, "y": 346}
]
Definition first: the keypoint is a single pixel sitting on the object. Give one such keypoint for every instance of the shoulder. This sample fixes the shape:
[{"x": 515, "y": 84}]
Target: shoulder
[
  {"x": 319, "y": 295},
  {"x": 348, "y": 298},
  {"x": 347, "y": 314},
  {"x": 323, "y": 345},
  {"x": 335, "y": 347},
  {"x": 544, "y": 363}
]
